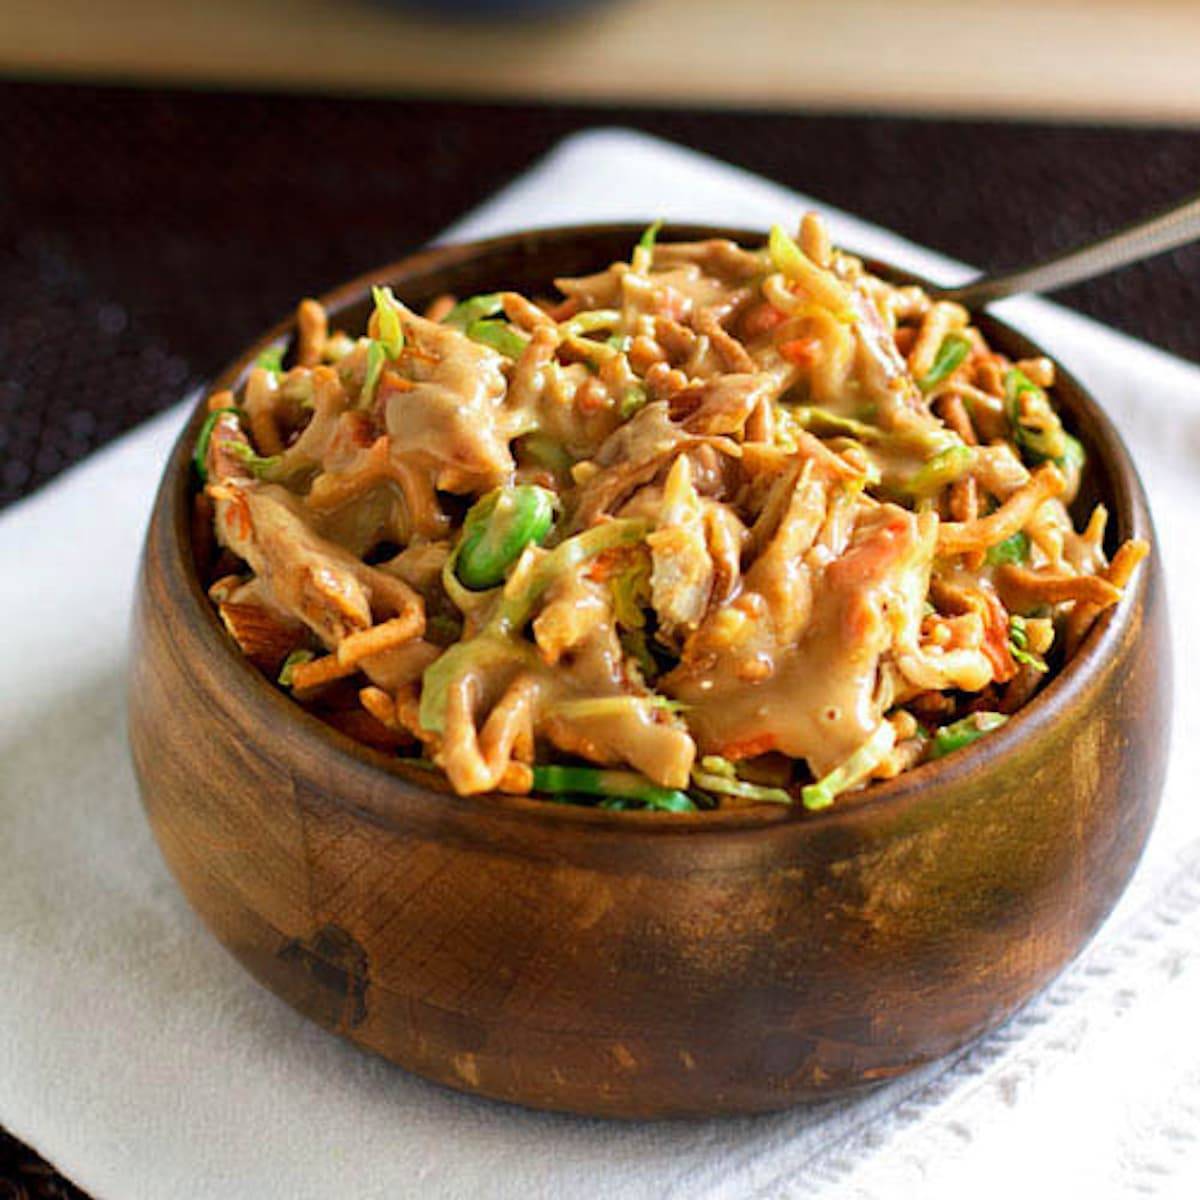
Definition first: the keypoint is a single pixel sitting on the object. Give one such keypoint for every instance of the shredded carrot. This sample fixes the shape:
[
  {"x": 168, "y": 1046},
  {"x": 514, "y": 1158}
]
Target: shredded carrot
[
  {"x": 761, "y": 319},
  {"x": 802, "y": 352},
  {"x": 995, "y": 644},
  {"x": 237, "y": 511},
  {"x": 392, "y": 381},
  {"x": 606, "y": 564}
]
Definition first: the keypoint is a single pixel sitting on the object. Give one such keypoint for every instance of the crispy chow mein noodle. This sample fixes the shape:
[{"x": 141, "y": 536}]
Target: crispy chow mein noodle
[{"x": 715, "y": 527}]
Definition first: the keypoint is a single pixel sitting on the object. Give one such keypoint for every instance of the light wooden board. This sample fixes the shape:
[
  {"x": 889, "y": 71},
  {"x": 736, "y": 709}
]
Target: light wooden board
[{"x": 1089, "y": 59}]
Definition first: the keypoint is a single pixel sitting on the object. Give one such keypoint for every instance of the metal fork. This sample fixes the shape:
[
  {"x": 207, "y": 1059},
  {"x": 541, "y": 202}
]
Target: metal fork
[{"x": 1172, "y": 227}]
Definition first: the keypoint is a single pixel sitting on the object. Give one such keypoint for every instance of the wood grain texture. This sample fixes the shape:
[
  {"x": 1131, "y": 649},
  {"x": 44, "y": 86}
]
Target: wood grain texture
[
  {"x": 1091, "y": 59},
  {"x": 628, "y": 964}
]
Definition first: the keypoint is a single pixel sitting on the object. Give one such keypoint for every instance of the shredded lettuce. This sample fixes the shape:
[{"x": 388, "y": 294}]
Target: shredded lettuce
[
  {"x": 633, "y": 401},
  {"x": 821, "y": 285},
  {"x": 257, "y": 464},
  {"x": 204, "y": 438},
  {"x": 466, "y": 312},
  {"x": 486, "y": 651},
  {"x": 822, "y": 421},
  {"x": 498, "y": 527},
  {"x": 546, "y": 452},
  {"x": 618, "y": 785},
  {"x": 630, "y": 588},
  {"x": 854, "y": 770},
  {"x": 718, "y": 775},
  {"x": 786, "y": 256},
  {"x": 499, "y": 335},
  {"x": 923, "y": 441},
  {"x": 1042, "y": 438},
  {"x": 1013, "y": 549},
  {"x": 942, "y": 469},
  {"x": 1073, "y": 457},
  {"x": 376, "y": 357},
  {"x": 271, "y": 359},
  {"x": 590, "y": 322},
  {"x": 290, "y": 663},
  {"x": 643, "y": 253},
  {"x": 962, "y": 733},
  {"x": 1018, "y": 644},
  {"x": 637, "y": 647}
]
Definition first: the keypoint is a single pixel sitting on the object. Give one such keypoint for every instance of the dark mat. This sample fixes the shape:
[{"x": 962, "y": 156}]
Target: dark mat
[{"x": 145, "y": 236}]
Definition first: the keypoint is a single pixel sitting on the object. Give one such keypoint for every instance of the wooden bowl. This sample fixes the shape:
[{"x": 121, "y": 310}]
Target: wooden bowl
[{"x": 642, "y": 965}]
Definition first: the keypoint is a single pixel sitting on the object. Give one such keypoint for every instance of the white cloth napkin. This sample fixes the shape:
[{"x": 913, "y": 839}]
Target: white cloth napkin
[{"x": 140, "y": 1059}]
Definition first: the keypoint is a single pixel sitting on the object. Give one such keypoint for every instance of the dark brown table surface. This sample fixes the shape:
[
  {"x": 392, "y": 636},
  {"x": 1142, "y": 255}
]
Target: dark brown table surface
[{"x": 146, "y": 236}]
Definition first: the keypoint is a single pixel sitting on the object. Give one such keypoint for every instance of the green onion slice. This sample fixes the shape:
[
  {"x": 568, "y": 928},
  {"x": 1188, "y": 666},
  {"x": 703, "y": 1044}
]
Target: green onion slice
[
  {"x": 271, "y": 359},
  {"x": 466, "y": 312},
  {"x": 1018, "y": 644},
  {"x": 1013, "y": 549},
  {"x": 1039, "y": 442},
  {"x": 962, "y": 733},
  {"x": 497, "y": 529},
  {"x": 633, "y": 401},
  {"x": 943, "y": 468},
  {"x": 618, "y": 785},
  {"x": 643, "y": 253},
  {"x": 499, "y": 335},
  {"x": 391, "y": 333},
  {"x": 952, "y": 353},
  {"x": 719, "y": 776},
  {"x": 204, "y": 437},
  {"x": 290, "y": 663},
  {"x": 256, "y": 463}
]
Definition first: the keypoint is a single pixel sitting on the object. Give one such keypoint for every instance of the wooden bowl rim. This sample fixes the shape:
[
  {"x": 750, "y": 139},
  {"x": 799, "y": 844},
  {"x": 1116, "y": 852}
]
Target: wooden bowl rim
[{"x": 1130, "y": 512}]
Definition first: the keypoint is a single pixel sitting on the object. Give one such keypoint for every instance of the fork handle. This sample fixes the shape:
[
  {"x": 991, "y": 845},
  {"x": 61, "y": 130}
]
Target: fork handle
[{"x": 1172, "y": 227}]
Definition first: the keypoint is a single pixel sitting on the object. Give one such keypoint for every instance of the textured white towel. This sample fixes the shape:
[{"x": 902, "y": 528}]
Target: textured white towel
[{"x": 139, "y": 1058}]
